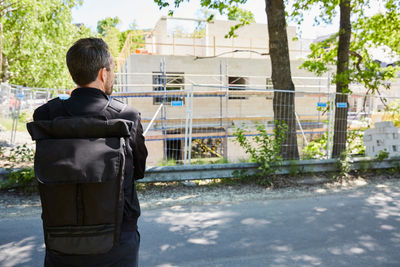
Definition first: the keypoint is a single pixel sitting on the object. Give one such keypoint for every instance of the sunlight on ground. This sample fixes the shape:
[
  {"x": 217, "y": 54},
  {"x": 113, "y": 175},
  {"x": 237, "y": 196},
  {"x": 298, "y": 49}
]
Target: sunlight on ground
[
  {"x": 255, "y": 222},
  {"x": 281, "y": 248},
  {"x": 386, "y": 205},
  {"x": 168, "y": 200},
  {"x": 167, "y": 265},
  {"x": 307, "y": 258},
  {"x": 16, "y": 253},
  {"x": 198, "y": 226}
]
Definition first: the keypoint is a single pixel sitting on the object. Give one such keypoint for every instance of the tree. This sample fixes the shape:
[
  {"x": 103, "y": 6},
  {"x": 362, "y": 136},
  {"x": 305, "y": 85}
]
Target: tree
[
  {"x": 283, "y": 103},
  {"x": 238, "y": 14},
  {"x": 279, "y": 53},
  {"x": 349, "y": 51},
  {"x": 115, "y": 39},
  {"x": 106, "y": 23},
  {"x": 36, "y": 36}
]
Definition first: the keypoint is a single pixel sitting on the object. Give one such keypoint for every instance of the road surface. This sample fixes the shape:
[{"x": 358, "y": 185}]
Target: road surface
[{"x": 352, "y": 228}]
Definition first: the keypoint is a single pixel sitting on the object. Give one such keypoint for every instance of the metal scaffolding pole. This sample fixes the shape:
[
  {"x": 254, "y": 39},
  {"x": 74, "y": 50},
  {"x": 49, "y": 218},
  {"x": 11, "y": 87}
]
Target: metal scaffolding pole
[{"x": 164, "y": 107}]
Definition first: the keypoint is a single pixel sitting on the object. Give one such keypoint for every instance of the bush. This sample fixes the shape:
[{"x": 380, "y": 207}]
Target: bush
[
  {"x": 23, "y": 178},
  {"x": 317, "y": 149},
  {"x": 267, "y": 150},
  {"x": 21, "y": 153}
]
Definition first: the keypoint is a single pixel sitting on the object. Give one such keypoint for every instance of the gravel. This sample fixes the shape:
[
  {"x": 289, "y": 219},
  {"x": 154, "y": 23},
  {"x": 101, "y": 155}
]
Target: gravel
[
  {"x": 154, "y": 196},
  {"x": 20, "y": 138}
]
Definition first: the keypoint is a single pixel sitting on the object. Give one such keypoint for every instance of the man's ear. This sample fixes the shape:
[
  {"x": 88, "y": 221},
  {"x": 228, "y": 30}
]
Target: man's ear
[{"x": 102, "y": 74}]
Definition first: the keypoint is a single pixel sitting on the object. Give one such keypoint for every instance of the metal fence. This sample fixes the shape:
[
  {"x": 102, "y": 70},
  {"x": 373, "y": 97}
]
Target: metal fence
[
  {"x": 197, "y": 125},
  {"x": 17, "y": 103}
]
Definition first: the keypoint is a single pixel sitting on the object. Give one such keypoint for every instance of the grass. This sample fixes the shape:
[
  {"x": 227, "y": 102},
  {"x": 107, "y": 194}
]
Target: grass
[{"x": 8, "y": 122}]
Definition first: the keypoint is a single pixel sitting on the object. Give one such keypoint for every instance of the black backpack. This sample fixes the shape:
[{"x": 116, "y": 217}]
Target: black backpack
[{"x": 79, "y": 165}]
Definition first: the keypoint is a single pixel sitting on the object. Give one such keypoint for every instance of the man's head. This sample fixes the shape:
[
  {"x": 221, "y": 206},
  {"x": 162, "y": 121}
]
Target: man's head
[{"x": 90, "y": 63}]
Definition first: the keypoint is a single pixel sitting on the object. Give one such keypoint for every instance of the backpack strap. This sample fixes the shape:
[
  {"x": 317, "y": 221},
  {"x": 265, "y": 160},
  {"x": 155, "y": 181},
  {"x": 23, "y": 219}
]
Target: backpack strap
[{"x": 114, "y": 107}]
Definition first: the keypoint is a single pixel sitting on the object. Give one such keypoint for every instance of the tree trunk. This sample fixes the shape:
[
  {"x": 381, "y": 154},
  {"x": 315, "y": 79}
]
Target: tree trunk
[
  {"x": 283, "y": 103},
  {"x": 342, "y": 80}
]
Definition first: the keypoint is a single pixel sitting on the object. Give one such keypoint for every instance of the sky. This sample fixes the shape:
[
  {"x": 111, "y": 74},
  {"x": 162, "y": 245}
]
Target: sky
[{"x": 145, "y": 13}]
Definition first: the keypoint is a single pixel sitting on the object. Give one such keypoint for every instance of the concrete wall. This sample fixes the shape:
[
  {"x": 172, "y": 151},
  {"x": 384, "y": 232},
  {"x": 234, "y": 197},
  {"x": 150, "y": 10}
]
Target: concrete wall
[
  {"x": 209, "y": 71},
  {"x": 249, "y": 37}
]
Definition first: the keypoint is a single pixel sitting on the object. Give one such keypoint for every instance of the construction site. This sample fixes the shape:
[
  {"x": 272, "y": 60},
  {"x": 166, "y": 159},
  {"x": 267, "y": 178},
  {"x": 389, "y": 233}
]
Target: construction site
[{"x": 194, "y": 90}]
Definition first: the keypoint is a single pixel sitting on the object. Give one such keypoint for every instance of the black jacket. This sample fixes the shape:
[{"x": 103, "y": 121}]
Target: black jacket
[{"x": 92, "y": 101}]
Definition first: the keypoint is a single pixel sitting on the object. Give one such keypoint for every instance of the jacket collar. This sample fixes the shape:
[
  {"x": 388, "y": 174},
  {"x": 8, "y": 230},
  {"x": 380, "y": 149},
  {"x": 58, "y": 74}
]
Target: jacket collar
[{"x": 89, "y": 91}]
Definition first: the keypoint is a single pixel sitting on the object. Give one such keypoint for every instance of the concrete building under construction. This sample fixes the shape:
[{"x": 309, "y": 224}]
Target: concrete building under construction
[{"x": 211, "y": 84}]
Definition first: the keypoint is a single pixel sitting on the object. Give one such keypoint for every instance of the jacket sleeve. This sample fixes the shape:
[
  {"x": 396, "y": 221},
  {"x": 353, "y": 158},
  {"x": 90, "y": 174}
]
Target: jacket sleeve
[{"x": 139, "y": 152}]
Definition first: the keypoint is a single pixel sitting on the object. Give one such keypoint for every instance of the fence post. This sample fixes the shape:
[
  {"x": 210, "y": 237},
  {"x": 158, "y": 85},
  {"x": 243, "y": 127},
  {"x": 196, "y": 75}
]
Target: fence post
[
  {"x": 226, "y": 110},
  {"x": 17, "y": 108},
  {"x": 331, "y": 118},
  {"x": 185, "y": 157},
  {"x": 164, "y": 108},
  {"x": 190, "y": 124}
]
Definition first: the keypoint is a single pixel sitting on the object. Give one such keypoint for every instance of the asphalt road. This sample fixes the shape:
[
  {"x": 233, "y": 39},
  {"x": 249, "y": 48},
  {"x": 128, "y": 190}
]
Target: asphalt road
[{"x": 356, "y": 228}]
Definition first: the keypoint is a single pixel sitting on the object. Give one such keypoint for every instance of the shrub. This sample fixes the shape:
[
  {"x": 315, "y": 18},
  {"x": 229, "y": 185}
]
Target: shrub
[
  {"x": 23, "y": 178},
  {"x": 21, "y": 153},
  {"x": 267, "y": 150}
]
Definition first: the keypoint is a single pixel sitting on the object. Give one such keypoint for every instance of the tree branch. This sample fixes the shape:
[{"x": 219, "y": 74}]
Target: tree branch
[
  {"x": 7, "y": 7},
  {"x": 359, "y": 57}
]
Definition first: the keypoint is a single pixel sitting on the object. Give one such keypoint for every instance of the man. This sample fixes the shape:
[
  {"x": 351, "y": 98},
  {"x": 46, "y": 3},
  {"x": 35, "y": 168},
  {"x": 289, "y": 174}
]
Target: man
[{"x": 91, "y": 67}]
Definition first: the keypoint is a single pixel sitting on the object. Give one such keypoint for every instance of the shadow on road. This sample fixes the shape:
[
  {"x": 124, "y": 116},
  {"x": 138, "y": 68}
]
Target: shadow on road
[{"x": 356, "y": 228}]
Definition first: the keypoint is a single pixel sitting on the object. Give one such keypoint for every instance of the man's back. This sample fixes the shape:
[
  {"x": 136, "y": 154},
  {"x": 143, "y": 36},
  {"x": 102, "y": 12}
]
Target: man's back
[{"x": 92, "y": 101}]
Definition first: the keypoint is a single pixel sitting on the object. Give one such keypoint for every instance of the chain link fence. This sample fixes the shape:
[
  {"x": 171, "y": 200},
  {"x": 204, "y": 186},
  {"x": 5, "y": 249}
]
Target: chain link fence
[
  {"x": 16, "y": 108},
  {"x": 196, "y": 123}
]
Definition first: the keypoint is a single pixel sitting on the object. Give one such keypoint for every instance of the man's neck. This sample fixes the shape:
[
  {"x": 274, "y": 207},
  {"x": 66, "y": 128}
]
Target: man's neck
[{"x": 95, "y": 84}]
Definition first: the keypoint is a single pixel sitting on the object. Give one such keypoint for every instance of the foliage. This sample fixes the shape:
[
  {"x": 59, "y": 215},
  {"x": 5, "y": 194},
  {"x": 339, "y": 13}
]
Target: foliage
[
  {"x": 24, "y": 116},
  {"x": 393, "y": 112},
  {"x": 317, "y": 148},
  {"x": 20, "y": 153},
  {"x": 383, "y": 154},
  {"x": 266, "y": 151},
  {"x": 24, "y": 178},
  {"x": 344, "y": 164},
  {"x": 238, "y": 14},
  {"x": 112, "y": 38},
  {"x": 365, "y": 166},
  {"x": 7, "y": 123},
  {"x": 107, "y": 28},
  {"x": 36, "y": 36},
  {"x": 106, "y": 23},
  {"x": 294, "y": 168},
  {"x": 224, "y": 7},
  {"x": 368, "y": 32},
  {"x": 354, "y": 143},
  {"x": 169, "y": 162},
  {"x": 137, "y": 39}
]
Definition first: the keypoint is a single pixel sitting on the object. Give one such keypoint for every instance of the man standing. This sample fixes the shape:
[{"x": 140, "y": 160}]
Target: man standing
[{"x": 91, "y": 67}]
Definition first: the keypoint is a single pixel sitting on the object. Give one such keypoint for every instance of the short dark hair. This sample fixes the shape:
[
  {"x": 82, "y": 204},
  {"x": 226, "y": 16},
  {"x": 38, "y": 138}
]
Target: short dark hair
[{"x": 86, "y": 57}]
